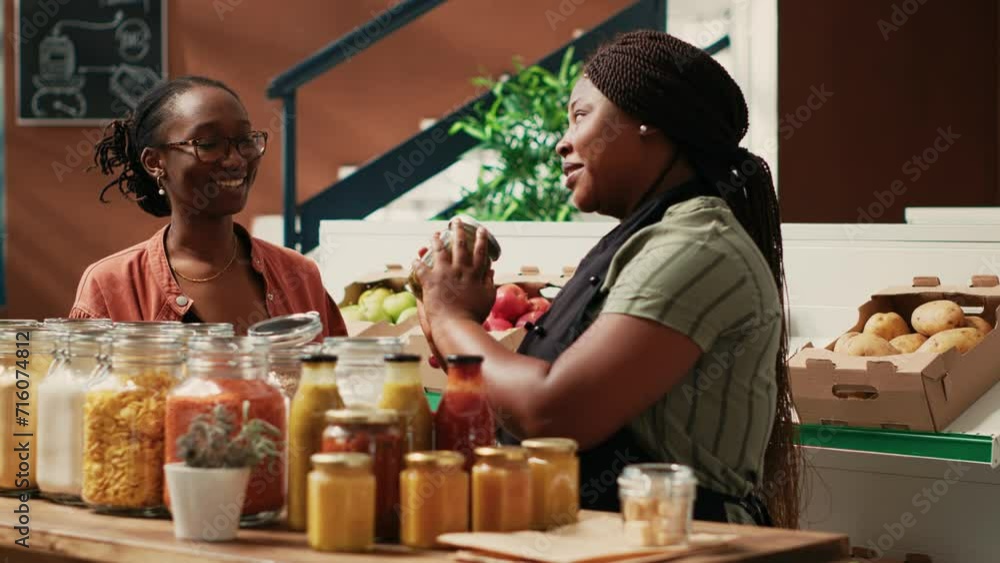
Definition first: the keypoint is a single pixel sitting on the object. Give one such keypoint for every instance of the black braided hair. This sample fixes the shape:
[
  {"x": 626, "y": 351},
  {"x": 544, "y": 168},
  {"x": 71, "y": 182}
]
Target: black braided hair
[
  {"x": 124, "y": 139},
  {"x": 688, "y": 95}
]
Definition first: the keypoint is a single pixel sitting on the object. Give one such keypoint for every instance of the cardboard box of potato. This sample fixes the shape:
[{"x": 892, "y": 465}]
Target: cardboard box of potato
[{"x": 866, "y": 381}]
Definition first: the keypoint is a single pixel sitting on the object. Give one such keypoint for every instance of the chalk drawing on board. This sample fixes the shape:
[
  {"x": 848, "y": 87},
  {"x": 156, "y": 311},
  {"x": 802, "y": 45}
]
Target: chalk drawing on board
[{"x": 134, "y": 37}]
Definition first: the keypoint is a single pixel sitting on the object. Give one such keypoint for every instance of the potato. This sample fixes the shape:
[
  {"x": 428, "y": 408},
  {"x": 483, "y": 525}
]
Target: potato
[
  {"x": 962, "y": 339},
  {"x": 841, "y": 344},
  {"x": 978, "y": 323},
  {"x": 886, "y": 325},
  {"x": 936, "y": 316},
  {"x": 908, "y": 342},
  {"x": 869, "y": 345}
]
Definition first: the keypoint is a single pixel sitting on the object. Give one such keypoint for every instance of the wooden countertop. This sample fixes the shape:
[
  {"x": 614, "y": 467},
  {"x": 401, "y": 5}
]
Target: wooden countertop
[{"x": 61, "y": 533}]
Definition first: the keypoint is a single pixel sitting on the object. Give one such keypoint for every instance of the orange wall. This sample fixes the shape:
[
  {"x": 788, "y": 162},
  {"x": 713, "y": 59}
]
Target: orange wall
[{"x": 353, "y": 113}]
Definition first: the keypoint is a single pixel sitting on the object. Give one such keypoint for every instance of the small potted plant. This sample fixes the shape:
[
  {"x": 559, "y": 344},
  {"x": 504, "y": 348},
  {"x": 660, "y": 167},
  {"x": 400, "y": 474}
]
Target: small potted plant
[{"x": 208, "y": 488}]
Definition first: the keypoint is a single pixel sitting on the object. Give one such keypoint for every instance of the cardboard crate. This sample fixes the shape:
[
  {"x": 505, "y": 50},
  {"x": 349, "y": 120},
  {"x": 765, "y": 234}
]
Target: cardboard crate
[
  {"x": 393, "y": 277},
  {"x": 919, "y": 391}
]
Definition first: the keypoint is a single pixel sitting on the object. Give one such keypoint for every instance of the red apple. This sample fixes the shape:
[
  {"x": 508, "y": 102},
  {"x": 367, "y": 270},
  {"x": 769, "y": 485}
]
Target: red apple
[
  {"x": 511, "y": 303},
  {"x": 529, "y": 317},
  {"x": 497, "y": 324},
  {"x": 539, "y": 304}
]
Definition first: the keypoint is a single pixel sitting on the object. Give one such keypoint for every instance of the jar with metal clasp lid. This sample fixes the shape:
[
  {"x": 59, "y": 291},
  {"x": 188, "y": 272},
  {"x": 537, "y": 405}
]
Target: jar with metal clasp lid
[{"x": 289, "y": 337}]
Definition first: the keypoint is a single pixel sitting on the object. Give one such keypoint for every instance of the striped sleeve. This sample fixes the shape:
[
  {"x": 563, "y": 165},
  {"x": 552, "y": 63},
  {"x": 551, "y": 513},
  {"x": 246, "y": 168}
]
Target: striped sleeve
[{"x": 684, "y": 285}]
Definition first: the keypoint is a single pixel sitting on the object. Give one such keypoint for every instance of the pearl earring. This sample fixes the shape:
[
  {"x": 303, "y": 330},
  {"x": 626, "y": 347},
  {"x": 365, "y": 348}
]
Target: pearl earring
[
  {"x": 643, "y": 129},
  {"x": 159, "y": 182}
]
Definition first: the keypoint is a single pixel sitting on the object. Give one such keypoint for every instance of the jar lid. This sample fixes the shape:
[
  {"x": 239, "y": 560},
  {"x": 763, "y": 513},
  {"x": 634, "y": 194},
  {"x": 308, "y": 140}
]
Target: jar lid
[
  {"x": 147, "y": 326},
  {"x": 342, "y": 459},
  {"x": 471, "y": 226},
  {"x": 62, "y": 324},
  {"x": 558, "y": 445},
  {"x": 508, "y": 453},
  {"x": 319, "y": 359},
  {"x": 19, "y": 323},
  {"x": 464, "y": 360},
  {"x": 362, "y": 415},
  {"x": 211, "y": 329},
  {"x": 378, "y": 346},
  {"x": 246, "y": 351},
  {"x": 438, "y": 458},
  {"x": 664, "y": 479},
  {"x": 402, "y": 358},
  {"x": 289, "y": 330}
]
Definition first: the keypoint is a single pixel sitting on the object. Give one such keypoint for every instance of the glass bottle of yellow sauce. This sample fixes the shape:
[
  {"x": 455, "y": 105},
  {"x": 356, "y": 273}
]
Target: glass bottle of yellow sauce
[
  {"x": 341, "y": 515},
  {"x": 434, "y": 497},
  {"x": 316, "y": 393},
  {"x": 403, "y": 392},
  {"x": 555, "y": 472},
  {"x": 501, "y": 490}
]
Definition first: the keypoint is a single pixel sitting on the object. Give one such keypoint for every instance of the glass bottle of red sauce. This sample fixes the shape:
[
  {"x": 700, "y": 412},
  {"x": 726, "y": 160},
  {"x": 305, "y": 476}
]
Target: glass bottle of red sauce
[
  {"x": 378, "y": 433},
  {"x": 464, "y": 421}
]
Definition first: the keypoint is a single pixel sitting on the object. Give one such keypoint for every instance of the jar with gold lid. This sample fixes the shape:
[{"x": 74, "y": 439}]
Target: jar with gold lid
[
  {"x": 555, "y": 473},
  {"x": 341, "y": 513},
  {"x": 501, "y": 490},
  {"x": 434, "y": 497}
]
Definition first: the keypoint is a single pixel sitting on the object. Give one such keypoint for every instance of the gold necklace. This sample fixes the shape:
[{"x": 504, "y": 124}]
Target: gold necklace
[{"x": 224, "y": 270}]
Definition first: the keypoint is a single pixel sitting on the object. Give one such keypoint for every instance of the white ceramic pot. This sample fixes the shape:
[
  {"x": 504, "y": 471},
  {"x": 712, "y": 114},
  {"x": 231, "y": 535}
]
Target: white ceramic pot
[{"x": 206, "y": 503}]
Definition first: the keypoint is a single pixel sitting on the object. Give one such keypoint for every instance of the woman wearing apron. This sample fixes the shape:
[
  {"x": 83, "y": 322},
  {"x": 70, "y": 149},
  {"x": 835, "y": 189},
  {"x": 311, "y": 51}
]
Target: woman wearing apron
[{"x": 668, "y": 344}]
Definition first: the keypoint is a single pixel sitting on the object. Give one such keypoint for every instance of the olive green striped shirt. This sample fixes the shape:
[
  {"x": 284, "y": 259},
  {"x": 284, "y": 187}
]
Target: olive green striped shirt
[{"x": 698, "y": 272}]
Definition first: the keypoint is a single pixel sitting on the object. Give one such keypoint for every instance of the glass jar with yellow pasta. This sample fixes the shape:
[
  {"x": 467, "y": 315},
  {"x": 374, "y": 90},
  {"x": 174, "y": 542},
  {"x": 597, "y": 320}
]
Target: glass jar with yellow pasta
[
  {"x": 555, "y": 473},
  {"x": 341, "y": 513},
  {"x": 26, "y": 352},
  {"x": 501, "y": 490},
  {"x": 434, "y": 497},
  {"x": 123, "y": 424}
]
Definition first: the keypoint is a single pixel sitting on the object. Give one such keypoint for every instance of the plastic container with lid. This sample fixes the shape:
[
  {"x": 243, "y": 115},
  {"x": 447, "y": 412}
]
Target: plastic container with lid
[
  {"x": 61, "y": 397},
  {"x": 470, "y": 226},
  {"x": 501, "y": 490},
  {"x": 555, "y": 472},
  {"x": 657, "y": 503},
  {"x": 289, "y": 336},
  {"x": 317, "y": 393},
  {"x": 434, "y": 497},
  {"x": 361, "y": 366},
  {"x": 341, "y": 502},
  {"x": 26, "y": 352},
  {"x": 403, "y": 392},
  {"x": 377, "y": 433},
  {"x": 123, "y": 423},
  {"x": 232, "y": 371},
  {"x": 464, "y": 421}
]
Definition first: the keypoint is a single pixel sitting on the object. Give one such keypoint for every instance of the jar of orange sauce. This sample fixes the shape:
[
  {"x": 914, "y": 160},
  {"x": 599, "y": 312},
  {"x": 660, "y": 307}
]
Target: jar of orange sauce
[
  {"x": 434, "y": 497},
  {"x": 501, "y": 490}
]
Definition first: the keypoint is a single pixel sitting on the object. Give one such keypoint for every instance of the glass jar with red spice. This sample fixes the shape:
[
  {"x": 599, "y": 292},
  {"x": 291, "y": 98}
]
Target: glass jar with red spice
[
  {"x": 231, "y": 371},
  {"x": 464, "y": 420},
  {"x": 375, "y": 432}
]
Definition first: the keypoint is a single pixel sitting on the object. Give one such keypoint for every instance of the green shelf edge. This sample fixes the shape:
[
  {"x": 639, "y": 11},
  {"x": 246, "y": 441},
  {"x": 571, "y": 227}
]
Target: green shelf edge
[{"x": 956, "y": 447}]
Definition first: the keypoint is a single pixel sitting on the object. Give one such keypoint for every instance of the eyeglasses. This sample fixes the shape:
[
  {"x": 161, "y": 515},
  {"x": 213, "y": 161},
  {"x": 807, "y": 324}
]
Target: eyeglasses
[{"x": 213, "y": 149}]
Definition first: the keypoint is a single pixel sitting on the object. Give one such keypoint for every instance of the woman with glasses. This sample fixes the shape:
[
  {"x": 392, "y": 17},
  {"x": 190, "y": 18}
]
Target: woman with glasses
[{"x": 188, "y": 152}]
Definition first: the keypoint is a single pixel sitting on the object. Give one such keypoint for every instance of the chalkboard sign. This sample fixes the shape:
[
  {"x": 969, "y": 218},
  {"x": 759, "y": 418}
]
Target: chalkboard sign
[{"x": 83, "y": 62}]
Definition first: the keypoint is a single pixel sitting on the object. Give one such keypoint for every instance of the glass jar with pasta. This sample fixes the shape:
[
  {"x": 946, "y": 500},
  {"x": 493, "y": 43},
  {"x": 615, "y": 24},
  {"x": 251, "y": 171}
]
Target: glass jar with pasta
[
  {"x": 27, "y": 352},
  {"x": 123, "y": 423}
]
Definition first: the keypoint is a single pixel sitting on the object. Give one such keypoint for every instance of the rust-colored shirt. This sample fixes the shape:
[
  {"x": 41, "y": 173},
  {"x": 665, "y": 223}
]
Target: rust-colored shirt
[{"x": 137, "y": 284}]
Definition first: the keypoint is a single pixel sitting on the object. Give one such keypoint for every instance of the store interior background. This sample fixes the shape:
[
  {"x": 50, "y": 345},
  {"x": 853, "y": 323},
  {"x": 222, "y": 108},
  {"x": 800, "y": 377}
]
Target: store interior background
[{"x": 890, "y": 95}]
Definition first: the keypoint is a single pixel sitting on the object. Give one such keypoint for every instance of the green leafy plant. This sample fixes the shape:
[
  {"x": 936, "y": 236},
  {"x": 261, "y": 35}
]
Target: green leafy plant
[
  {"x": 210, "y": 441},
  {"x": 522, "y": 126}
]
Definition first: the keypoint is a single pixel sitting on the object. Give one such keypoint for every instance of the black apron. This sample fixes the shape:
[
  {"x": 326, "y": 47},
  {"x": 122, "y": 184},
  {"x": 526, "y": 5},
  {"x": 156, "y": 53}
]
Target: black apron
[{"x": 564, "y": 322}]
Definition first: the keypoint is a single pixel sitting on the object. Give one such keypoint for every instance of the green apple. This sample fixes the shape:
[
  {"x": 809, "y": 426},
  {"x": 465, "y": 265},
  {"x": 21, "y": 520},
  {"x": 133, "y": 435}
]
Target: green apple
[
  {"x": 371, "y": 304},
  {"x": 397, "y": 303},
  {"x": 352, "y": 313},
  {"x": 406, "y": 314}
]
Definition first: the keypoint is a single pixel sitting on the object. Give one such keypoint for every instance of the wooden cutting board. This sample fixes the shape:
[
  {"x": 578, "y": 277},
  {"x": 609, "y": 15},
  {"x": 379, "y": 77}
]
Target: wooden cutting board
[{"x": 598, "y": 539}]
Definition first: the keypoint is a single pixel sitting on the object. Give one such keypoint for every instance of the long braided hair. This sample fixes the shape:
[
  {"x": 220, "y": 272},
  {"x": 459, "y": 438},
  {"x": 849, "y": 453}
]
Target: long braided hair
[
  {"x": 125, "y": 138},
  {"x": 690, "y": 97}
]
